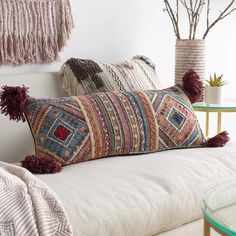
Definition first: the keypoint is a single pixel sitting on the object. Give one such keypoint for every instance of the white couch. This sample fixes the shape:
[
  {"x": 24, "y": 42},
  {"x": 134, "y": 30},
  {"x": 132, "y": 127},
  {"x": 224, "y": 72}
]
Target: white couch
[{"x": 140, "y": 195}]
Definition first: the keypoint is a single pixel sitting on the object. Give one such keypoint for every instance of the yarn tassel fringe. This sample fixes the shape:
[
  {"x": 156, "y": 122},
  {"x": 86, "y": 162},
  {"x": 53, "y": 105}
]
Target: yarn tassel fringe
[
  {"x": 66, "y": 23},
  {"x": 217, "y": 141},
  {"x": 37, "y": 34},
  {"x": 41, "y": 165},
  {"x": 192, "y": 85},
  {"x": 13, "y": 102}
]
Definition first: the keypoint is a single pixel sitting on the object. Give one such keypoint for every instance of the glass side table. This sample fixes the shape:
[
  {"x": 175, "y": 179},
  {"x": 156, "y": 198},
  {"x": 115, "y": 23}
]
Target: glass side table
[
  {"x": 219, "y": 209},
  {"x": 229, "y": 106}
]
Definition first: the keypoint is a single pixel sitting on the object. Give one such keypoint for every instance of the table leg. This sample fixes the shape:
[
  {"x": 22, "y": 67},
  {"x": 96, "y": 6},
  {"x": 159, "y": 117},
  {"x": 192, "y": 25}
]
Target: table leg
[
  {"x": 206, "y": 228},
  {"x": 219, "y": 122},
  {"x": 207, "y": 124}
]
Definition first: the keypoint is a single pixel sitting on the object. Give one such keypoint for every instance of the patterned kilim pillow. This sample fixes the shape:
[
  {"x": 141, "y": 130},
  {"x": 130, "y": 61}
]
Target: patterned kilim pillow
[
  {"x": 86, "y": 127},
  {"x": 86, "y": 76}
]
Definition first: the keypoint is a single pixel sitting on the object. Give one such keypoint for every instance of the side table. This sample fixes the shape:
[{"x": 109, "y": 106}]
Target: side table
[
  {"x": 219, "y": 108},
  {"x": 219, "y": 209}
]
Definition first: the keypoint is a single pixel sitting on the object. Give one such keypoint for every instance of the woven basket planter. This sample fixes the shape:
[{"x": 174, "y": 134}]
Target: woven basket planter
[{"x": 190, "y": 54}]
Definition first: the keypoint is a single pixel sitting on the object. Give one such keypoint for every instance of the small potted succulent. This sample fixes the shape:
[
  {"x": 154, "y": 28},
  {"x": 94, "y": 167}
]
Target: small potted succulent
[{"x": 214, "y": 91}]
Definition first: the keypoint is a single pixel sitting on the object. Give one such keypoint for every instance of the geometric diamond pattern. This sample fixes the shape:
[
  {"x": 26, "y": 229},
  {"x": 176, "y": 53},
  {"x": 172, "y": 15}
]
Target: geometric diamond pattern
[
  {"x": 58, "y": 132},
  {"x": 61, "y": 133},
  {"x": 176, "y": 118},
  {"x": 178, "y": 126}
]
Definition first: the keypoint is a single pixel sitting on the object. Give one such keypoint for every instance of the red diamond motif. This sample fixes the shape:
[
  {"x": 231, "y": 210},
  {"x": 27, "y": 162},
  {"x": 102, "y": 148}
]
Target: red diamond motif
[{"x": 62, "y": 133}]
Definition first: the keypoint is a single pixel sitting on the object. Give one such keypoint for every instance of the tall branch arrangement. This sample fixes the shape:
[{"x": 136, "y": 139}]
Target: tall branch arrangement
[{"x": 194, "y": 9}]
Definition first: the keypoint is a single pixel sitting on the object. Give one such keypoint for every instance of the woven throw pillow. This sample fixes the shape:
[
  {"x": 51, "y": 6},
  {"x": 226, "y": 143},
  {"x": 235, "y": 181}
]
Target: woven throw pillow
[
  {"x": 81, "y": 128},
  {"x": 77, "y": 129},
  {"x": 86, "y": 127},
  {"x": 86, "y": 76}
]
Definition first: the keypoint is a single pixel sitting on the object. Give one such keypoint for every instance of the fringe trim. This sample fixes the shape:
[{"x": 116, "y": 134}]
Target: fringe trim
[
  {"x": 33, "y": 31},
  {"x": 217, "y": 141}
]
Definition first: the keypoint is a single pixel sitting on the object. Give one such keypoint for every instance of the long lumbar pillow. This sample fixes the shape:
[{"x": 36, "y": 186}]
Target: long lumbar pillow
[{"x": 76, "y": 129}]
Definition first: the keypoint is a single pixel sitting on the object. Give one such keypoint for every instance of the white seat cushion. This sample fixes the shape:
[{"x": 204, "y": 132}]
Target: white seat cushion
[{"x": 142, "y": 194}]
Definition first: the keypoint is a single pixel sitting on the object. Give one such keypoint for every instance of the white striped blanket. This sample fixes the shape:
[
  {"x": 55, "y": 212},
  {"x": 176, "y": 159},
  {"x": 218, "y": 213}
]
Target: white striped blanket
[{"x": 28, "y": 207}]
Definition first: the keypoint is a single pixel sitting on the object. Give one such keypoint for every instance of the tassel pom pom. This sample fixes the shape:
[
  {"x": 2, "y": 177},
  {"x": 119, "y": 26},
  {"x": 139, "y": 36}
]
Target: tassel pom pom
[
  {"x": 218, "y": 141},
  {"x": 41, "y": 165},
  {"x": 13, "y": 102},
  {"x": 192, "y": 85}
]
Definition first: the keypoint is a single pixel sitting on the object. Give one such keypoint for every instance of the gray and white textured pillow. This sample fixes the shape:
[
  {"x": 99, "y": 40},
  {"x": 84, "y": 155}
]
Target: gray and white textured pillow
[{"x": 86, "y": 76}]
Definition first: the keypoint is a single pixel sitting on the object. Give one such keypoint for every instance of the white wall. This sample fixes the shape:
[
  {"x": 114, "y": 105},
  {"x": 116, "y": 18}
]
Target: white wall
[{"x": 111, "y": 30}]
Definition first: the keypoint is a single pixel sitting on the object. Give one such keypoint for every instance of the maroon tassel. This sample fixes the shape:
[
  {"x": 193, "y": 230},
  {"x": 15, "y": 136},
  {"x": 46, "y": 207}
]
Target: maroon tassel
[
  {"x": 41, "y": 165},
  {"x": 218, "y": 141},
  {"x": 192, "y": 85},
  {"x": 13, "y": 102}
]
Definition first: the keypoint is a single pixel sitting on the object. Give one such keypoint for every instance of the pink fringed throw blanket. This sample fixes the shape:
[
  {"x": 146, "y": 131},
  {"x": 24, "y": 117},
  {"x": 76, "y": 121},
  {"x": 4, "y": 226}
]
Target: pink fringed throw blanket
[{"x": 33, "y": 31}]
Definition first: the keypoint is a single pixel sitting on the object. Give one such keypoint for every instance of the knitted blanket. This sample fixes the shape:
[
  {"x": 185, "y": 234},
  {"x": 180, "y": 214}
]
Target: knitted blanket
[
  {"x": 33, "y": 31},
  {"x": 27, "y": 206}
]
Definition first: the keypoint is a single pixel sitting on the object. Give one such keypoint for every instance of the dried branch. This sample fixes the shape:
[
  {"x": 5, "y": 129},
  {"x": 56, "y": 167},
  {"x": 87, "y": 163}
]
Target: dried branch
[
  {"x": 177, "y": 12},
  {"x": 197, "y": 17},
  {"x": 208, "y": 12},
  {"x": 227, "y": 11},
  {"x": 172, "y": 21},
  {"x": 173, "y": 18},
  {"x": 191, "y": 4},
  {"x": 189, "y": 17},
  {"x": 194, "y": 10},
  {"x": 195, "y": 5}
]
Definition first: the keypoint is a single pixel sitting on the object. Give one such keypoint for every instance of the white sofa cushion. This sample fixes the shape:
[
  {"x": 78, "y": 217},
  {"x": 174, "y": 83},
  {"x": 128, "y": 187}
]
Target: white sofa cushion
[{"x": 142, "y": 194}]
